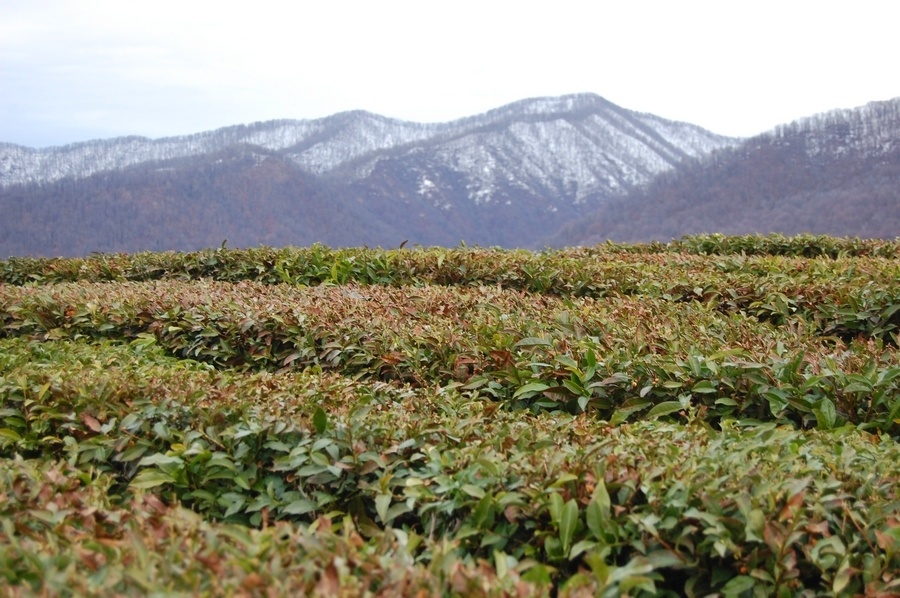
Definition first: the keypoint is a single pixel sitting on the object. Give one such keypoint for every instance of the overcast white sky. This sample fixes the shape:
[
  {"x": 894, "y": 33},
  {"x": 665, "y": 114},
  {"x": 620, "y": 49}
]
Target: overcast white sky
[{"x": 86, "y": 69}]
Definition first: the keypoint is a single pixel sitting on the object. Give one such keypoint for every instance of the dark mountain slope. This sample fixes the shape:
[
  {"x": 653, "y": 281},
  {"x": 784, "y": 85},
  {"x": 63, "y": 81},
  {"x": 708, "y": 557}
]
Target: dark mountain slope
[{"x": 185, "y": 204}]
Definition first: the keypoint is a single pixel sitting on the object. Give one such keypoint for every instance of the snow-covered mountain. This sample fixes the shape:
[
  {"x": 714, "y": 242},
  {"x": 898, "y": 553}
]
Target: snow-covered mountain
[
  {"x": 496, "y": 178},
  {"x": 567, "y": 149},
  {"x": 834, "y": 173},
  {"x": 581, "y": 138}
]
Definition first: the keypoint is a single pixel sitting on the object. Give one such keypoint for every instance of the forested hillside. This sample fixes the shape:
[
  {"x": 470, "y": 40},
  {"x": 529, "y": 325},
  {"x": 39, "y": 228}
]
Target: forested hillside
[{"x": 837, "y": 173}]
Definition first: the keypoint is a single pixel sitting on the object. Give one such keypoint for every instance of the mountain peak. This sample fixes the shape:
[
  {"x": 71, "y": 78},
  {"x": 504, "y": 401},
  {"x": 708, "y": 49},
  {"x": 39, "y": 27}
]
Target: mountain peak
[
  {"x": 323, "y": 145},
  {"x": 555, "y": 104}
]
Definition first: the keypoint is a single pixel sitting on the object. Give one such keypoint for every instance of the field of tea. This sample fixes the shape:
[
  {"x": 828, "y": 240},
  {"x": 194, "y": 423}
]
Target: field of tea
[{"x": 713, "y": 416}]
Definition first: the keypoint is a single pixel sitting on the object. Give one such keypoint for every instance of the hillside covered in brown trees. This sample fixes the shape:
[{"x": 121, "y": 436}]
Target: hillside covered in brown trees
[{"x": 836, "y": 173}]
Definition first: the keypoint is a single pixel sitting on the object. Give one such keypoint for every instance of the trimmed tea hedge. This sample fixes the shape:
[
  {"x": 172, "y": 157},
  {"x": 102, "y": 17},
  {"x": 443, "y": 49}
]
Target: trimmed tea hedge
[{"x": 712, "y": 416}]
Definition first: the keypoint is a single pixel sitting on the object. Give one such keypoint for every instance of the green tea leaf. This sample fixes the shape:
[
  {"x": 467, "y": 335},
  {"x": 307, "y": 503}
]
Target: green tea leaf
[
  {"x": 556, "y": 507},
  {"x": 826, "y": 414},
  {"x": 530, "y": 389},
  {"x": 704, "y": 387},
  {"x": 843, "y": 577},
  {"x": 10, "y": 435},
  {"x": 473, "y": 490},
  {"x": 533, "y": 341},
  {"x": 300, "y": 507},
  {"x": 567, "y": 523},
  {"x": 665, "y": 408},
  {"x": 483, "y": 515},
  {"x": 151, "y": 478},
  {"x": 738, "y": 585},
  {"x": 320, "y": 420},
  {"x": 621, "y": 415},
  {"x": 595, "y": 519},
  {"x": 382, "y": 504}
]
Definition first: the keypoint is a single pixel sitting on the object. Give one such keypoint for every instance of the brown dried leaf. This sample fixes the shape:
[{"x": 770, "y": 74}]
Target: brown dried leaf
[
  {"x": 330, "y": 582},
  {"x": 884, "y": 541},
  {"x": 91, "y": 422},
  {"x": 512, "y": 513}
]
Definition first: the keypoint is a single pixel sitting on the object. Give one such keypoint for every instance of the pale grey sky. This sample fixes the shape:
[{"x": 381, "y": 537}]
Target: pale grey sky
[{"x": 86, "y": 69}]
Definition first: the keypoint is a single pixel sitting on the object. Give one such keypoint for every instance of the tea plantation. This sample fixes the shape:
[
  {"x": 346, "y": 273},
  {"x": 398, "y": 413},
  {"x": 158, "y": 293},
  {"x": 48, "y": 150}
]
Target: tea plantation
[{"x": 712, "y": 416}]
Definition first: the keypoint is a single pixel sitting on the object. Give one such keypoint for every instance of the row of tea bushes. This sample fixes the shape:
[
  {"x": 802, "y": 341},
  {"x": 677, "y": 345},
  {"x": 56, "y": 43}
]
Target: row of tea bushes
[
  {"x": 61, "y": 535},
  {"x": 619, "y": 358},
  {"x": 317, "y": 264},
  {"x": 716, "y": 415},
  {"x": 809, "y": 246},
  {"x": 380, "y": 478},
  {"x": 846, "y": 296}
]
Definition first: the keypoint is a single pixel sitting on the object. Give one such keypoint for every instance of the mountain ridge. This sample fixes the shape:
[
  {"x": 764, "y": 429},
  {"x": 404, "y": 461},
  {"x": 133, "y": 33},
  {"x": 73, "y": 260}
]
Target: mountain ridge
[
  {"x": 505, "y": 177},
  {"x": 834, "y": 173},
  {"x": 510, "y": 177},
  {"x": 368, "y": 133}
]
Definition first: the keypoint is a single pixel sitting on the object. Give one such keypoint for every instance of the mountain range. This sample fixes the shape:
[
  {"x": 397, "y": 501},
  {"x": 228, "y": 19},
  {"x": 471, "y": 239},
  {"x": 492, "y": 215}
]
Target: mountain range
[{"x": 547, "y": 171}]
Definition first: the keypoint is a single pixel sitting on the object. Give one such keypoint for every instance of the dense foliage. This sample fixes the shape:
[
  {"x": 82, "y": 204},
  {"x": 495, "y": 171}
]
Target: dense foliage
[{"x": 714, "y": 415}]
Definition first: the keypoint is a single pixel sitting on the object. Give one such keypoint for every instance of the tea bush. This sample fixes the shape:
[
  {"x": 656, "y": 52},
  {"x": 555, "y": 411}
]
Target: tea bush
[{"x": 711, "y": 416}]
